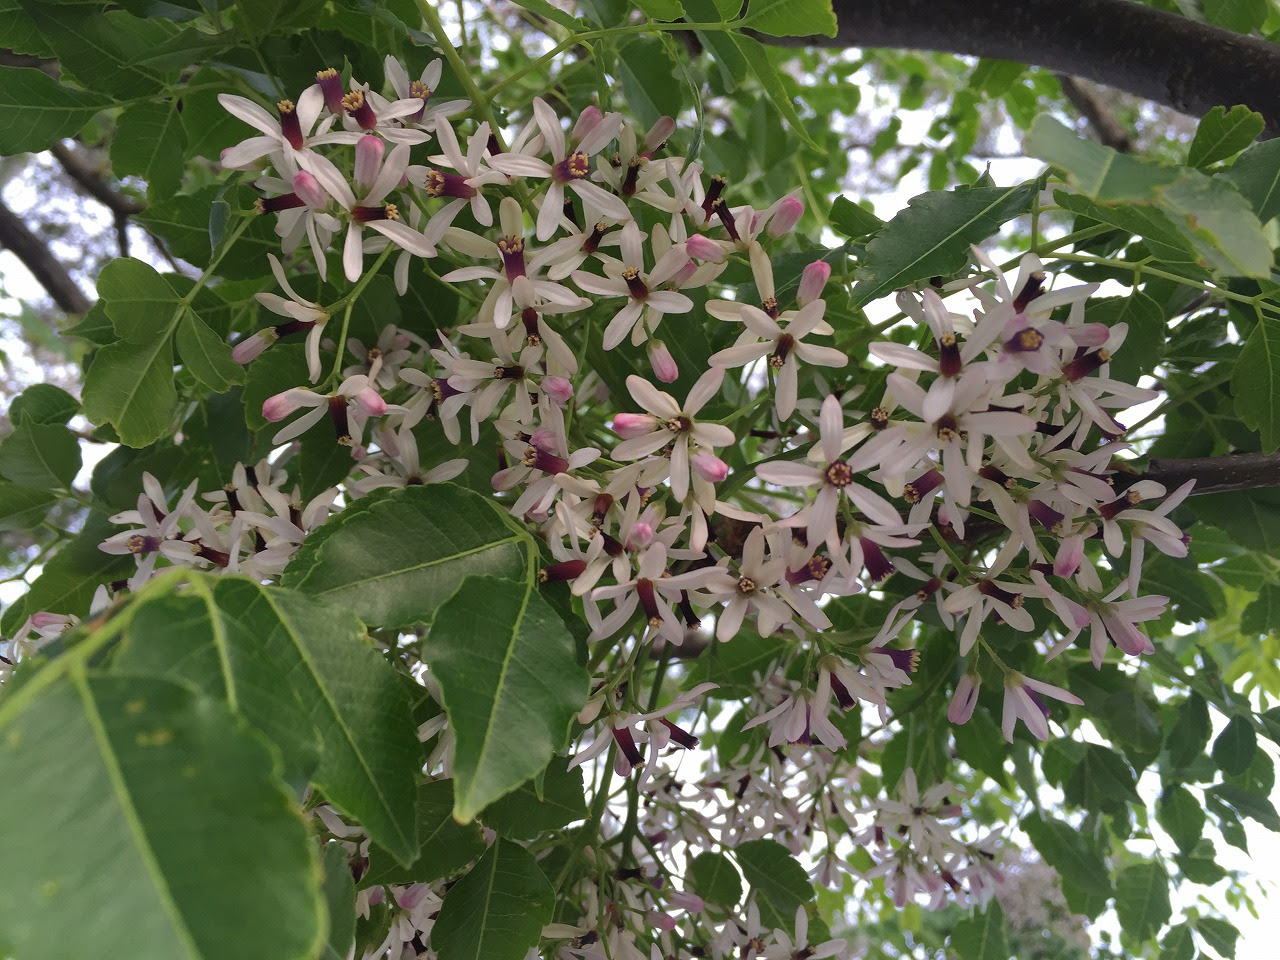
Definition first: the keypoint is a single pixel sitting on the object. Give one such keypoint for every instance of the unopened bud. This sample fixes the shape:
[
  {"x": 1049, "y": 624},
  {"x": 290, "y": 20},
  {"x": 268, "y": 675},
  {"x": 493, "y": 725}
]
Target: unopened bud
[
  {"x": 663, "y": 363},
  {"x": 708, "y": 466},
  {"x": 813, "y": 281},
  {"x": 309, "y": 190},
  {"x": 704, "y": 248},
  {"x": 369, "y": 151},
  {"x": 371, "y": 402},
  {"x": 251, "y": 347},
  {"x": 630, "y": 425},
  {"x": 559, "y": 389},
  {"x": 788, "y": 214}
]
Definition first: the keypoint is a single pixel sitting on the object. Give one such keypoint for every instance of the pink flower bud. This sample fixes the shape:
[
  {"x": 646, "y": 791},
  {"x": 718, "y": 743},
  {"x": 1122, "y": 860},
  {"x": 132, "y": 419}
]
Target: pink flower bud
[
  {"x": 42, "y": 619},
  {"x": 371, "y": 402},
  {"x": 251, "y": 347},
  {"x": 704, "y": 248},
  {"x": 661, "y": 921},
  {"x": 788, "y": 214},
  {"x": 965, "y": 699},
  {"x": 1069, "y": 555},
  {"x": 689, "y": 901},
  {"x": 558, "y": 389},
  {"x": 658, "y": 135},
  {"x": 629, "y": 425},
  {"x": 309, "y": 190},
  {"x": 663, "y": 363},
  {"x": 708, "y": 466},
  {"x": 369, "y": 151},
  {"x": 641, "y": 535},
  {"x": 812, "y": 281},
  {"x": 585, "y": 123},
  {"x": 281, "y": 405}
]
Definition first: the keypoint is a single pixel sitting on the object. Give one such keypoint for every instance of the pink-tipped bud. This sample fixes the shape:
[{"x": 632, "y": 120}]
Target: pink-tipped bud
[
  {"x": 1090, "y": 334},
  {"x": 371, "y": 402},
  {"x": 812, "y": 282},
  {"x": 43, "y": 619},
  {"x": 641, "y": 535},
  {"x": 788, "y": 214},
  {"x": 658, "y": 135},
  {"x": 369, "y": 151},
  {"x": 559, "y": 389},
  {"x": 631, "y": 425},
  {"x": 585, "y": 123},
  {"x": 663, "y": 363},
  {"x": 704, "y": 248},
  {"x": 252, "y": 347},
  {"x": 660, "y": 921},
  {"x": 708, "y": 466},
  {"x": 309, "y": 190},
  {"x": 280, "y": 405},
  {"x": 1069, "y": 556},
  {"x": 965, "y": 699},
  {"x": 688, "y": 901}
]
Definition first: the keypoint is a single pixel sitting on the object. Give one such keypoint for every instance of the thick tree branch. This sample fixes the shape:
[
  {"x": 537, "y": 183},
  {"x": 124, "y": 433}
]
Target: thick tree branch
[
  {"x": 89, "y": 176},
  {"x": 33, "y": 253},
  {"x": 1160, "y": 56},
  {"x": 1104, "y": 126},
  {"x": 1236, "y": 471}
]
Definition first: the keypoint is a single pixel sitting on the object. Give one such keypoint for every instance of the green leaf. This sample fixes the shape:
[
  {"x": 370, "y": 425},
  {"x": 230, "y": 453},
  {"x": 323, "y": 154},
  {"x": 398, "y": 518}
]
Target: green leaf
[
  {"x": 1191, "y": 731},
  {"x": 852, "y": 220},
  {"x": 1144, "y": 345},
  {"x": 667, "y": 10},
  {"x": 43, "y": 403},
  {"x": 757, "y": 61},
  {"x": 190, "y": 638},
  {"x": 394, "y": 559},
  {"x": 1068, "y": 852},
  {"x": 932, "y": 236},
  {"x": 982, "y": 936},
  {"x": 1251, "y": 517},
  {"x": 778, "y": 883},
  {"x": 139, "y": 301},
  {"x": 1101, "y": 781},
  {"x": 509, "y": 674},
  {"x": 1255, "y": 382},
  {"x": 104, "y": 51},
  {"x": 556, "y": 15},
  {"x": 791, "y": 18},
  {"x": 1234, "y": 748},
  {"x": 130, "y": 386},
  {"x": 1181, "y": 815},
  {"x": 1249, "y": 804},
  {"x": 714, "y": 878},
  {"x": 1223, "y": 134},
  {"x": 1263, "y": 615},
  {"x": 1256, "y": 174},
  {"x": 1178, "y": 944},
  {"x": 497, "y": 911},
  {"x": 43, "y": 455},
  {"x": 22, "y": 508},
  {"x": 340, "y": 901},
  {"x": 649, "y": 79},
  {"x": 724, "y": 52},
  {"x": 370, "y": 755},
  {"x": 152, "y": 802},
  {"x": 445, "y": 845},
  {"x": 980, "y": 744},
  {"x": 1243, "y": 16},
  {"x": 1209, "y": 212},
  {"x": 1221, "y": 935},
  {"x": 525, "y": 813},
  {"x": 207, "y": 356},
  {"x": 1142, "y": 899},
  {"x": 39, "y": 111},
  {"x": 150, "y": 143}
]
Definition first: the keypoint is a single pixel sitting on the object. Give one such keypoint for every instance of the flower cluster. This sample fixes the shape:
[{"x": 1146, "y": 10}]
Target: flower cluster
[{"x": 737, "y": 492}]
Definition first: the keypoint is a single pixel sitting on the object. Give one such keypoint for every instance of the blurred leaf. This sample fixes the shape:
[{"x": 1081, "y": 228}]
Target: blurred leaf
[
  {"x": 1255, "y": 382},
  {"x": 1256, "y": 174},
  {"x": 713, "y": 877},
  {"x": 778, "y": 883},
  {"x": 791, "y": 18},
  {"x": 1142, "y": 899},
  {"x": 982, "y": 936},
  {"x": 1234, "y": 748}
]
